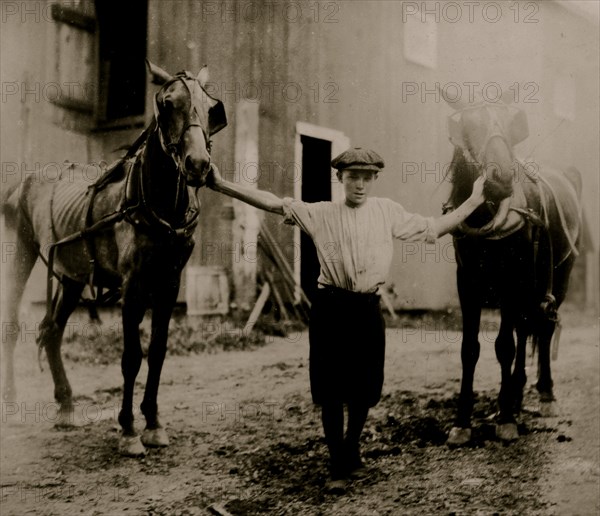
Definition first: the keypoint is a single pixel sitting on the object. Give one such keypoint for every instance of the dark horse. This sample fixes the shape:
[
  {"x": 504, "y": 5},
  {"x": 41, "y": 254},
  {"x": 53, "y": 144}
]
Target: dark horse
[
  {"x": 131, "y": 230},
  {"x": 514, "y": 252}
]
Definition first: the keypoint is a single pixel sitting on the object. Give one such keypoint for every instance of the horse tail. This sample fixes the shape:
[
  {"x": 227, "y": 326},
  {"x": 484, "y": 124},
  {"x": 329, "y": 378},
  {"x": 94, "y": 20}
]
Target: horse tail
[{"x": 574, "y": 177}]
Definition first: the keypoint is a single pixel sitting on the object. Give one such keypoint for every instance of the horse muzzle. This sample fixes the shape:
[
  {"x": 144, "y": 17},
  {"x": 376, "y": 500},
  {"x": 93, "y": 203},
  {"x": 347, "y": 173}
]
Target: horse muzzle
[
  {"x": 497, "y": 190},
  {"x": 196, "y": 171}
]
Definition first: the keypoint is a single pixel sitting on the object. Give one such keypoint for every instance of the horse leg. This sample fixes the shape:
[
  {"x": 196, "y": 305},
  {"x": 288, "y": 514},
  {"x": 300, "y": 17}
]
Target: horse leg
[
  {"x": 469, "y": 353},
  {"x": 133, "y": 310},
  {"x": 548, "y": 320},
  {"x": 506, "y": 428},
  {"x": 16, "y": 271},
  {"x": 154, "y": 434},
  {"x": 544, "y": 383},
  {"x": 519, "y": 376},
  {"x": 50, "y": 338}
]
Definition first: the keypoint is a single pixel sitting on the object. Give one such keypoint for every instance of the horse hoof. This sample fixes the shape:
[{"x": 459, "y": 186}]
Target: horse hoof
[
  {"x": 131, "y": 446},
  {"x": 548, "y": 409},
  {"x": 66, "y": 419},
  {"x": 507, "y": 432},
  {"x": 458, "y": 436},
  {"x": 156, "y": 438}
]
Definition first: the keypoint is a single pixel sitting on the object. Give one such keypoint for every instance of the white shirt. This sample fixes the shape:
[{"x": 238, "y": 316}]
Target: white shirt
[{"x": 355, "y": 245}]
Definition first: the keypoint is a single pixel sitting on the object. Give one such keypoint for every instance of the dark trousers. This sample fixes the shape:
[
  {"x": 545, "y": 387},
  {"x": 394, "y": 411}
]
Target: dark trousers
[
  {"x": 347, "y": 351},
  {"x": 347, "y": 347}
]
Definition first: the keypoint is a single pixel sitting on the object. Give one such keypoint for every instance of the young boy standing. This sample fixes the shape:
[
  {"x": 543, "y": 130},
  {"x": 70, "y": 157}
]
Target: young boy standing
[{"x": 346, "y": 329}]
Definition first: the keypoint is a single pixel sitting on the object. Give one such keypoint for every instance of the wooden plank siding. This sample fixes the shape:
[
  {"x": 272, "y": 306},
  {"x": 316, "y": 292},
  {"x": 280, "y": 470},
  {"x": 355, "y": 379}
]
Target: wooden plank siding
[
  {"x": 346, "y": 60},
  {"x": 35, "y": 130}
]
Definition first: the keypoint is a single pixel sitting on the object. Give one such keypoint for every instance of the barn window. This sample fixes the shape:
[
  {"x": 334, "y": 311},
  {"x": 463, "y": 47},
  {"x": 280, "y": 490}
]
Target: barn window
[
  {"x": 420, "y": 40},
  {"x": 74, "y": 87},
  {"x": 100, "y": 65},
  {"x": 122, "y": 69}
]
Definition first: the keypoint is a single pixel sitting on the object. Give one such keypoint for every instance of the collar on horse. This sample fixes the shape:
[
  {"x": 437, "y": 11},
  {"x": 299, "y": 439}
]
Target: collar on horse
[{"x": 139, "y": 212}]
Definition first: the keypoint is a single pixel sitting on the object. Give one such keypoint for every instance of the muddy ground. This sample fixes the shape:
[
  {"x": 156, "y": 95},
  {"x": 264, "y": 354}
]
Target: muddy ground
[{"x": 246, "y": 439}]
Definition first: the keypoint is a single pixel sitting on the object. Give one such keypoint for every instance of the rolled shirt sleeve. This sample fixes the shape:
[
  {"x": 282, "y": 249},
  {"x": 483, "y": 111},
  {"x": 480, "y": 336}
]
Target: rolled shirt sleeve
[
  {"x": 411, "y": 227},
  {"x": 300, "y": 213}
]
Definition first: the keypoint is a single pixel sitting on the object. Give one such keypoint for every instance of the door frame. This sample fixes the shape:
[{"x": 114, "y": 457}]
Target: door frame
[{"x": 339, "y": 143}]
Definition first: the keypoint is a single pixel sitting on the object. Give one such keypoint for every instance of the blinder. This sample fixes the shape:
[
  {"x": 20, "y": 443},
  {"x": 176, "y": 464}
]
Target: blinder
[
  {"x": 519, "y": 128},
  {"x": 455, "y": 130},
  {"x": 217, "y": 118}
]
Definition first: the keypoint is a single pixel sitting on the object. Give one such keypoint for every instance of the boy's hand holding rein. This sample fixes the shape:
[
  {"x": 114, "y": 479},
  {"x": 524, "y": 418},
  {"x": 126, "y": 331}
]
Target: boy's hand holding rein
[
  {"x": 213, "y": 179},
  {"x": 451, "y": 220},
  {"x": 477, "y": 197}
]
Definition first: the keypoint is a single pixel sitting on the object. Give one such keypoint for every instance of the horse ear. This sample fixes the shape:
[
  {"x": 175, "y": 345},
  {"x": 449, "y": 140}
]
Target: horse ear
[
  {"x": 159, "y": 76},
  {"x": 202, "y": 77},
  {"x": 456, "y": 104},
  {"x": 519, "y": 128}
]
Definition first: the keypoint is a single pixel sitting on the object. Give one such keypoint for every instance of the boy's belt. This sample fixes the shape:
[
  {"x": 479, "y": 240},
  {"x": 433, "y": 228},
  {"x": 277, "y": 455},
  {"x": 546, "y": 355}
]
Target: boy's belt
[{"x": 349, "y": 295}]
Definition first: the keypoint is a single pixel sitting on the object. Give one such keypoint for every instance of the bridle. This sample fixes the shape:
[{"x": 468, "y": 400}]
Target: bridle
[
  {"x": 494, "y": 130},
  {"x": 173, "y": 148}
]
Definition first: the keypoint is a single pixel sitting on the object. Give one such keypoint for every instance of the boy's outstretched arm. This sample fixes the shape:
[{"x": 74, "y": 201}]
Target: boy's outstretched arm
[
  {"x": 257, "y": 198},
  {"x": 451, "y": 220}
]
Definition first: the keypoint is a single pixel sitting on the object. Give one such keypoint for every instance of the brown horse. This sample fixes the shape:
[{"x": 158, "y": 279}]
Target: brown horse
[
  {"x": 515, "y": 252},
  {"x": 132, "y": 230}
]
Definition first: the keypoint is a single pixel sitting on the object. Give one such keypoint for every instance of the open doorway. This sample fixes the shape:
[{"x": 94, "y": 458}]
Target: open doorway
[
  {"x": 316, "y": 186},
  {"x": 315, "y": 148}
]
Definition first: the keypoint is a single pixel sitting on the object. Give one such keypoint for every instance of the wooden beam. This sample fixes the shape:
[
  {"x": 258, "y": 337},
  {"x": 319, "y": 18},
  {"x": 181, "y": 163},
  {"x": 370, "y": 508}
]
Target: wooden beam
[
  {"x": 388, "y": 304},
  {"x": 258, "y": 307},
  {"x": 246, "y": 220},
  {"x": 73, "y": 17}
]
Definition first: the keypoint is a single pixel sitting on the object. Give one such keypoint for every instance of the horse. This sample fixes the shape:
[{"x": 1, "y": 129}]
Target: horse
[
  {"x": 131, "y": 232},
  {"x": 514, "y": 252}
]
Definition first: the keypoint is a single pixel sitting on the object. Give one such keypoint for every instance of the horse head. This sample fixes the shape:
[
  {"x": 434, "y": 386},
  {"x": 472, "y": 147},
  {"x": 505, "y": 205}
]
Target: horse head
[
  {"x": 186, "y": 118},
  {"x": 486, "y": 132}
]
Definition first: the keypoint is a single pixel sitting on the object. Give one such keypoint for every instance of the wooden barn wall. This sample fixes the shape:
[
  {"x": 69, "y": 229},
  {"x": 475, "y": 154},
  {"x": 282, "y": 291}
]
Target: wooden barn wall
[
  {"x": 346, "y": 61},
  {"x": 309, "y": 67},
  {"x": 569, "y": 53},
  {"x": 357, "y": 52},
  {"x": 35, "y": 131}
]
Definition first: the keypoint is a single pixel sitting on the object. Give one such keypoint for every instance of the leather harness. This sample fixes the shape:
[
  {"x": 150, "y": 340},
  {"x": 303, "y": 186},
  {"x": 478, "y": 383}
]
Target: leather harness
[
  {"x": 134, "y": 207},
  {"x": 538, "y": 221}
]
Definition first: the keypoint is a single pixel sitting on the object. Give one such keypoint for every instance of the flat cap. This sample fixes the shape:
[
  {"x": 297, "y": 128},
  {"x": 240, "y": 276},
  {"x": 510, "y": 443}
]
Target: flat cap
[{"x": 358, "y": 159}]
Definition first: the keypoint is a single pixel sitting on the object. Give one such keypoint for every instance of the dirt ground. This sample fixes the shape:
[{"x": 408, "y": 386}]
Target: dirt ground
[{"x": 246, "y": 439}]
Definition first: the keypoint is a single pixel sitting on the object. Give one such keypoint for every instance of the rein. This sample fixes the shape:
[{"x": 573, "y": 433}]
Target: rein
[
  {"x": 144, "y": 217},
  {"x": 539, "y": 226},
  {"x": 135, "y": 207}
]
